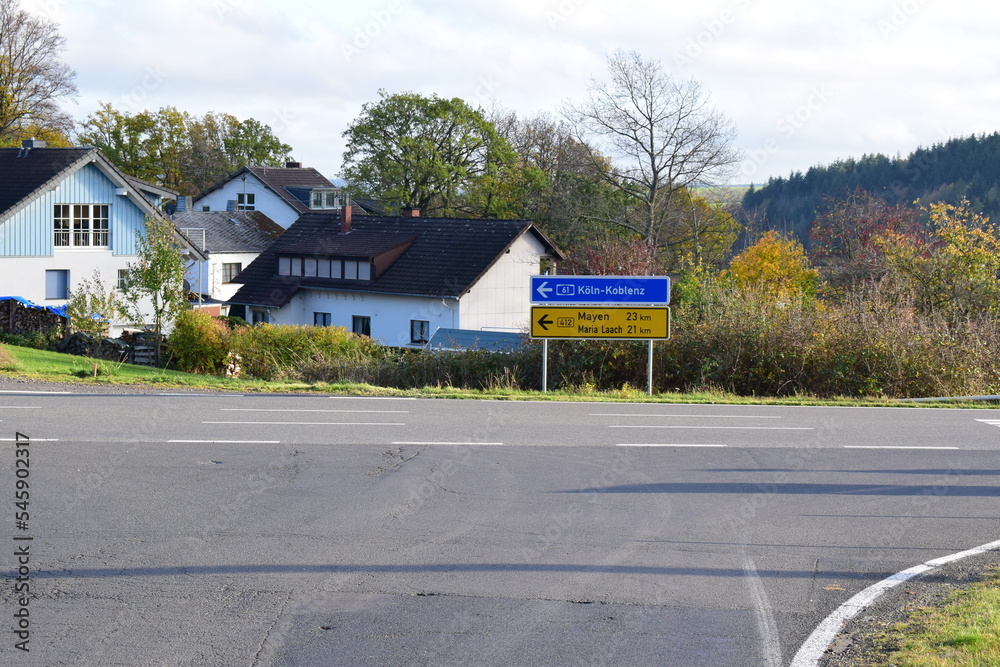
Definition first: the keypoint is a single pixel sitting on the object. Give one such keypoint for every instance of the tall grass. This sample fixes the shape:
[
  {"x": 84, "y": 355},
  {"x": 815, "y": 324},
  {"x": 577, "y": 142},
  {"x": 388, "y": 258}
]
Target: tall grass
[{"x": 738, "y": 341}]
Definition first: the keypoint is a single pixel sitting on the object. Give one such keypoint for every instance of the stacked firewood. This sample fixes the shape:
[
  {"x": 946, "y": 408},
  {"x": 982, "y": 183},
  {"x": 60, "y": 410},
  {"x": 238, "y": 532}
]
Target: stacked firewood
[
  {"x": 17, "y": 318},
  {"x": 85, "y": 345}
]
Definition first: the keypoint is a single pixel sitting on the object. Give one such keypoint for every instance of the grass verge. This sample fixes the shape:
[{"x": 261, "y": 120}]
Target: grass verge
[
  {"x": 964, "y": 631},
  {"x": 41, "y": 365}
]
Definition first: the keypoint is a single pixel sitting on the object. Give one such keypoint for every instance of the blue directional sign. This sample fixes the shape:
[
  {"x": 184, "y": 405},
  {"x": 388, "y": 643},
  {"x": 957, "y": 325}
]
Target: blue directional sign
[{"x": 649, "y": 290}]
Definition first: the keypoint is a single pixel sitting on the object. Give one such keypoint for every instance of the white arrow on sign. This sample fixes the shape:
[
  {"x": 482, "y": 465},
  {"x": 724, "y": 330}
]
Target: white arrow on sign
[{"x": 543, "y": 290}]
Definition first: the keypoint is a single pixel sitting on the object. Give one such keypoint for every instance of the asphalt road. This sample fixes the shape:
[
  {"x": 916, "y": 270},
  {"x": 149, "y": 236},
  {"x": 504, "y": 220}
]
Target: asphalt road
[{"x": 308, "y": 530}]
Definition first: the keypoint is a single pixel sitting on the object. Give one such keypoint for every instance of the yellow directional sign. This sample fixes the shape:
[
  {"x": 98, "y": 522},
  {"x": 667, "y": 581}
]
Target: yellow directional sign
[{"x": 610, "y": 323}]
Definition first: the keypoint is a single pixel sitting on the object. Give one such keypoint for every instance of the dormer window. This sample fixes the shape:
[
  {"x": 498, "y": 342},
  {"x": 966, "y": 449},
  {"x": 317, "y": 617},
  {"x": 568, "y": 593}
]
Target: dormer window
[
  {"x": 335, "y": 268},
  {"x": 325, "y": 199}
]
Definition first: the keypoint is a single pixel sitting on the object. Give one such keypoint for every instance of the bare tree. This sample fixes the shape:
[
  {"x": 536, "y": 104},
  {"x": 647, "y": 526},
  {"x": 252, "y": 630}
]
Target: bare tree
[
  {"x": 32, "y": 79},
  {"x": 662, "y": 135}
]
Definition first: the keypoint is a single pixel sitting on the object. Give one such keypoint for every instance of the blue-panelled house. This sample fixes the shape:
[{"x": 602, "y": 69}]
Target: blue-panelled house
[{"x": 64, "y": 213}]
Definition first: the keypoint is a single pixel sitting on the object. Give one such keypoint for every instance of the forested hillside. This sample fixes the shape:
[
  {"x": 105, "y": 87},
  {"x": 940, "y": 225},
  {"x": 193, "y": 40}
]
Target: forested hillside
[{"x": 967, "y": 167}]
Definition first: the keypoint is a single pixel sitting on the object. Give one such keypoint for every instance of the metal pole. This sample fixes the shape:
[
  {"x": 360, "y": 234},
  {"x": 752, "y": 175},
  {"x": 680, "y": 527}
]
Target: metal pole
[
  {"x": 545, "y": 365},
  {"x": 649, "y": 369}
]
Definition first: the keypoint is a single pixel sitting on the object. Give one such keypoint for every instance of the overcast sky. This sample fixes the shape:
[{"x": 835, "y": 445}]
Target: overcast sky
[{"x": 805, "y": 83}]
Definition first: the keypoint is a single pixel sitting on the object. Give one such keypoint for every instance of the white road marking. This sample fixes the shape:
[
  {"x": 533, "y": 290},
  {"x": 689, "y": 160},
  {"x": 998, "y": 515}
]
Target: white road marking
[
  {"x": 622, "y": 414},
  {"x": 16, "y": 391},
  {"x": 636, "y": 444},
  {"x": 32, "y": 440},
  {"x": 228, "y": 442},
  {"x": 741, "y": 428},
  {"x": 814, "y": 647},
  {"x": 403, "y": 412},
  {"x": 373, "y": 398},
  {"x": 892, "y": 447},
  {"x": 204, "y": 395},
  {"x": 495, "y": 444},
  {"x": 20, "y": 407},
  {"x": 766, "y": 625},
  {"x": 991, "y": 422},
  {"x": 313, "y": 423}
]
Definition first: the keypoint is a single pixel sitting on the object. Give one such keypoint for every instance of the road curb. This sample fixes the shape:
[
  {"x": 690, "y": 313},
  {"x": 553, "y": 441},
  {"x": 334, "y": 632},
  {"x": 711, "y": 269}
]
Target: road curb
[{"x": 816, "y": 645}]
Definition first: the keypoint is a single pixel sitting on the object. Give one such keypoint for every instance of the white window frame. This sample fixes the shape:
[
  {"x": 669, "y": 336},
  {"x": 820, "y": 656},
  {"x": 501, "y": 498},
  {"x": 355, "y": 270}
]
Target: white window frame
[
  {"x": 246, "y": 201},
  {"x": 81, "y": 225}
]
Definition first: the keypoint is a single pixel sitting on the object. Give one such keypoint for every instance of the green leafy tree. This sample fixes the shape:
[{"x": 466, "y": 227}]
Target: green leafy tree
[
  {"x": 439, "y": 155},
  {"x": 32, "y": 79},
  {"x": 154, "y": 283},
  {"x": 180, "y": 151},
  {"x": 698, "y": 231},
  {"x": 92, "y": 306},
  {"x": 554, "y": 182}
]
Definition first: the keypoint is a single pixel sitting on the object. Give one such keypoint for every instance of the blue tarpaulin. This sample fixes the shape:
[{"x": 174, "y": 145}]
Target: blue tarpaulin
[{"x": 60, "y": 310}]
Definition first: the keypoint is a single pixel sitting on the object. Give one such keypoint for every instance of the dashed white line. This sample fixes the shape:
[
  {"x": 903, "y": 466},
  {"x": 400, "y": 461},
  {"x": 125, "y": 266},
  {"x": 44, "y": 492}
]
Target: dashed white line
[
  {"x": 18, "y": 391},
  {"x": 599, "y": 414},
  {"x": 638, "y": 444},
  {"x": 227, "y": 442},
  {"x": 33, "y": 440},
  {"x": 402, "y": 412},
  {"x": 493, "y": 444},
  {"x": 311, "y": 423},
  {"x": 20, "y": 407},
  {"x": 892, "y": 447},
  {"x": 740, "y": 428}
]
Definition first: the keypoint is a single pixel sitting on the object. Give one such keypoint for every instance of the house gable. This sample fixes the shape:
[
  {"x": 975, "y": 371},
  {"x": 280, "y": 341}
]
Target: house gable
[
  {"x": 282, "y": 193},
  {"x": 27, "y": 230}
]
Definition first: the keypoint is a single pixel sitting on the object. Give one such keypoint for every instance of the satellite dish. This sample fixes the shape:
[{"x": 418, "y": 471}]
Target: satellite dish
[{"x": 170, "y": 208}]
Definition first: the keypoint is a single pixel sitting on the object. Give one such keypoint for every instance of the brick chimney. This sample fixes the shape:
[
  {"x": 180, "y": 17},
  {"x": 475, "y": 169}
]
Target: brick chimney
[
  {"x": 345, "y": 219},
  {"x": 410, "y": 212}
]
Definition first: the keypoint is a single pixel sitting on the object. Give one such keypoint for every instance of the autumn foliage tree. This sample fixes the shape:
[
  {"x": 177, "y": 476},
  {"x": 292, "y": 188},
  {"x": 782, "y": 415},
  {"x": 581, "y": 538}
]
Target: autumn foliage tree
[
  {"x": 775, "y": 266},
  {"x": 955, "y": 269},
  {"x": 611, "y": 255},
  {"x": 845, "y": 237}
]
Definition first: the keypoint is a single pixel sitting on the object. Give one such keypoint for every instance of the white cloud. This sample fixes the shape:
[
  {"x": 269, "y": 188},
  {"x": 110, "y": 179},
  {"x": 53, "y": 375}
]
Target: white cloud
[{"x": 899, "y": 70}]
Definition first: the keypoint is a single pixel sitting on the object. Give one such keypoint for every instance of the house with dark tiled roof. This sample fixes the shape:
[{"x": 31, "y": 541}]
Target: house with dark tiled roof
[
  {"x": 231, "y": 240},
  {"x": 281, "y": 193},
  {"x": 64, "y": 213},
  {"x": 396, "y": 278}
]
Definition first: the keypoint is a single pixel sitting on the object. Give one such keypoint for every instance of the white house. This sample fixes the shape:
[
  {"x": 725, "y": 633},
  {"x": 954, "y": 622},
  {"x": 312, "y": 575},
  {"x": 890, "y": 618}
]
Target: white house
[
  {"x": 231, "y": 240},
  {"x": 396, "y": 279},
  {"x": 64, "y": 213},
  {"x": 281, "y": 193}
]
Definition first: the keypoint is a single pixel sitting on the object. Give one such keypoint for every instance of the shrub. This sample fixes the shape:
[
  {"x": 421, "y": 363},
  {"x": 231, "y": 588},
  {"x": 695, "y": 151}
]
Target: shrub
[
  {"x": 270, "y": 351},
  {"x": 199, "y": 343},
  {"x": 39, "y": 340}
]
